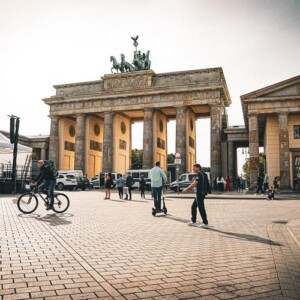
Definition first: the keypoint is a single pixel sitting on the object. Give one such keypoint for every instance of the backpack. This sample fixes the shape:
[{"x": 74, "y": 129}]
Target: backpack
[{"x": 53, "y": 172}]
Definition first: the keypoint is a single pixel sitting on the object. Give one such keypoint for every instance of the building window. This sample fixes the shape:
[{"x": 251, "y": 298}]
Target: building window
[
  {"x": 161, "y": 144},
  {"x": 122, "y": 144},
  {"x": 191, "y": 142},
  {"x": 296, "y": 131},
  {"x": 96, "y": 129},
  {"x": 192, "y": 124},
  {"x": 69, "y": 146},
  {"x": 161, "y": 126},
  {"x": 123, "y": 127},
  {"x": 94, "y": 145},
  {"x": 72, "y": 131}
]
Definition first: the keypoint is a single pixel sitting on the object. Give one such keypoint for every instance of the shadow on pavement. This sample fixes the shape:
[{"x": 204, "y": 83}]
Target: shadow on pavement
[
  {"x": 242, "y": 236},
  {"x": 51, "y": 219}
]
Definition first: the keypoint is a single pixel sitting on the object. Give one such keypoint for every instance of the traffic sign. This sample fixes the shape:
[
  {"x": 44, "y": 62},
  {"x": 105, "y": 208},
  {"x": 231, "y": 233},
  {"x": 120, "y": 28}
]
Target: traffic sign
[
  {"x": 177, "y": 155},
  {"x": 177, "y": 161}
]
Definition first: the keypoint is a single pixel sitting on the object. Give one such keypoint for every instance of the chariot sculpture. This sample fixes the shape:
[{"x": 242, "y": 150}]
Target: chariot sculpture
[{"x": 141, "y": 61}]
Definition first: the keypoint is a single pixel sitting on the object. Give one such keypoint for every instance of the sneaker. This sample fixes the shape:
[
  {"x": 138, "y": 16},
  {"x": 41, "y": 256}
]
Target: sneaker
[
  {"x": 49, "y": 207},
  {"x": 191, "y": 223},
  {"x": 204, "y": 225}
]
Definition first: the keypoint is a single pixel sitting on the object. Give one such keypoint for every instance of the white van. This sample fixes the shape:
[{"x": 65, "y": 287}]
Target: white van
[
  {"x": 67, "y": 179},
  {"x": 136, "y": 175},
  {"x": 184, "y": 180}
]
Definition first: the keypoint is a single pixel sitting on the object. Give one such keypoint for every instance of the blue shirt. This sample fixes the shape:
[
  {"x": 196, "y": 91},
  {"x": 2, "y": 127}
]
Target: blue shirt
[{"x": 157, "y": 176}]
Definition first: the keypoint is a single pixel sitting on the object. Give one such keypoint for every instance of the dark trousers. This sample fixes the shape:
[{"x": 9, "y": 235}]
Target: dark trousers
[
  {"x": 260, "y": 188},
  {"x": 156, "y": 192},
  {"x": 129, "y": 192},
  {"x": 48, "y": 188},
  {"x": 120, "y": 189},
  {"x": 199, "y": 202},
  {"x": 142, "y": 192}
]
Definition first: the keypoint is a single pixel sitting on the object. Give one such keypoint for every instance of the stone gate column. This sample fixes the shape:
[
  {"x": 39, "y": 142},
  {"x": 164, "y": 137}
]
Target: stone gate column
[
  {"x": 284, "y": 160},
  {"x": 181, "y": 143},
  {"x": 215, "y": 141},
  {"x": 54, "y": 141},
  {"x": 108, "y": 143},
  {"x": 43, "y": 153},
  {"x": 253, "y": 149},
  {"x": 148, "y": 139},
  {"x": 80, "y": 143},
  {"x": 231, "y": 160}
]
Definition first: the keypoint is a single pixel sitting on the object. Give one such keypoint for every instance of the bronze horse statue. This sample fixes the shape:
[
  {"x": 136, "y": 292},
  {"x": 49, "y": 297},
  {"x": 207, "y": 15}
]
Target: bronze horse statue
[
  {"x": 139, "y": 64},
  {"x": 116, "y": 65},
  {"x": 124, "y": 65},
  {"x": 147, "y": 61}
]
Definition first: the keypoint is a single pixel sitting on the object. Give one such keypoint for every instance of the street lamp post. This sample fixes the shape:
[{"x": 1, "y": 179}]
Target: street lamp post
[{"x": 245, "y": 152}]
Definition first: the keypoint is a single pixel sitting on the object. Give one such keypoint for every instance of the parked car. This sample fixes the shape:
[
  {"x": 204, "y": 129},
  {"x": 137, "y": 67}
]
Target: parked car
[
  {"x": 83, "y": 183},
  {"x": 183, "y": 181},
  {"x": 66, "y": 181},
  {"x": 95, "y": 183}
]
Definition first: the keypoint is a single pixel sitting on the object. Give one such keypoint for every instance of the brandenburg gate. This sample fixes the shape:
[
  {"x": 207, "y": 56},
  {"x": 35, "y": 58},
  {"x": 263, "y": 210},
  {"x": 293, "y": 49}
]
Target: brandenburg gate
[{"x": 91, "y": 121}]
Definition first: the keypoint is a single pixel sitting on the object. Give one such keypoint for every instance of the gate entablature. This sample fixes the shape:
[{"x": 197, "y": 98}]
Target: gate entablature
[{"x": 184, "y": 96}]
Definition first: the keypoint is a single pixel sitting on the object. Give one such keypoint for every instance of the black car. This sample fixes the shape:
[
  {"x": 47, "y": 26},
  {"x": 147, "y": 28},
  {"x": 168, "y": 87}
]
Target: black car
[{"x": 83, "y": 183}]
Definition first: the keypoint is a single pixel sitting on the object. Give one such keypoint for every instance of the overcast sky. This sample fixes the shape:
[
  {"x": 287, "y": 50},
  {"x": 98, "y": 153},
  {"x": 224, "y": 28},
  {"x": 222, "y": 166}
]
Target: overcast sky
[{"x": 44, "y": 43}]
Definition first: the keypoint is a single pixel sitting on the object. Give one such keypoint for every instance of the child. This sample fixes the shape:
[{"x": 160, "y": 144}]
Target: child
[{"x": 270, "y": 192}]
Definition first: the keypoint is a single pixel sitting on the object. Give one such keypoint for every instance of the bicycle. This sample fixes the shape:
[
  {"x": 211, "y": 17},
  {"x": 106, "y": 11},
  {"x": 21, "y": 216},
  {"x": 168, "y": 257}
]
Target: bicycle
[{"x": 28, "y": 202}]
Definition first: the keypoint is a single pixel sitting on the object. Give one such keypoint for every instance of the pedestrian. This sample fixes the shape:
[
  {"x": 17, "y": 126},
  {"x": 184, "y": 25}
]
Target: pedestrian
[
  {"x": 220, "y": 184},
  {"x": 227, "y": 184},
  {"x": 266, "y": 182},
  {"x": 158, "y": 177},
  {"x": 271, "y": 193},
  {"x": 142, "y": 184},
  {"x": 242, "y": 184},
  {"x": 108, "y": 184},
  {"x": 46, "y": 182},
  {"x": 129, "y": 184},
  {"x": 238, "y": 183},
  {"x": 202, "y": 188},
  {"x": 120, "y": 185},
  {"x": 260, "y": 183}
]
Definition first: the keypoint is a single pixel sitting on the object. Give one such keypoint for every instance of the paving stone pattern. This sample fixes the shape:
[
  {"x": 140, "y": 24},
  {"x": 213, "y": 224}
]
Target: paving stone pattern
[{"x": 115, "y": 249}]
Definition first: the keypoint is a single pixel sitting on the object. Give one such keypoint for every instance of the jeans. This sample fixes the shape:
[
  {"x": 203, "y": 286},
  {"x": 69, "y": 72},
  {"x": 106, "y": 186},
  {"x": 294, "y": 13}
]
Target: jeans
[
  {"x": 156, "y": 191},
  {"x": 48, "y": 187},
  {"x": 129, "y": 192},
  {"x": 120, "y": 189},
  {"x": 199, "y": 202}
]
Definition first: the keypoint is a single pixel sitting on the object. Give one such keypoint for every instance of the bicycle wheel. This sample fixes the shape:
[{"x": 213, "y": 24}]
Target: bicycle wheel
[
  {"x": 61, "y": 202},
  {"x": 27, "y": 203}
]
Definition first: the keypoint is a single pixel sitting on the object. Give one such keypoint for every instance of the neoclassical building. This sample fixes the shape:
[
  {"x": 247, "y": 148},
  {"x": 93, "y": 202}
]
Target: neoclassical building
[{"x": 91, "y": 123}]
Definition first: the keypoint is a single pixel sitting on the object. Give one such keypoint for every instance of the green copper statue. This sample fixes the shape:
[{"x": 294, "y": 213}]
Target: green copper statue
[{"x": 140, "y": 61}]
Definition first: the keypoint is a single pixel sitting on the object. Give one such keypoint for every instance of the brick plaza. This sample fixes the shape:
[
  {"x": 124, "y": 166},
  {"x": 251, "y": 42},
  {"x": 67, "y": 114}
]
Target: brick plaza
[{"x": 115, "y": 249}]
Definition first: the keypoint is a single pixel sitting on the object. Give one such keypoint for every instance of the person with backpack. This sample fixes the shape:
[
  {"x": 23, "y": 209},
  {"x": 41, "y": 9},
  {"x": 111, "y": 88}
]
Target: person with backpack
[
  {"x": 202, "y": 188},
  {"x": 46, "y": 180}
]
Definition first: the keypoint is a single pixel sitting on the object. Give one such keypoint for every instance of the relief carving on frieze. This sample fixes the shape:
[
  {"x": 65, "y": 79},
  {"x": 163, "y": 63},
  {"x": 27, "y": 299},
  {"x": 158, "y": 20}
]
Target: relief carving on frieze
[{"x": 127, "y": 81}]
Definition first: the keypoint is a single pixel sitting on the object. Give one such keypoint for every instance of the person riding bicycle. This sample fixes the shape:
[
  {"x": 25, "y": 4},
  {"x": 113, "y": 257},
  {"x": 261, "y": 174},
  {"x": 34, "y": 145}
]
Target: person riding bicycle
[{"x": 46, "y": 180}]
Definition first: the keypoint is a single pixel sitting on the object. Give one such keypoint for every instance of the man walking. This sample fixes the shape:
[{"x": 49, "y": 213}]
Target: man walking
[
  {"x": 158, "y": 177},
  {"x": 202, "y": 187},
  {"x": 129, "y": 184}
]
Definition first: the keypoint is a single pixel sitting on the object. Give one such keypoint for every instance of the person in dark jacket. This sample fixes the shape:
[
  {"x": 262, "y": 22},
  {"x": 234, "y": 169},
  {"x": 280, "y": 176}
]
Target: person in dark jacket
[
  {"x": 260, "y": 183},
  {"x": 129, "y": 184},
  {"x": 142, "y": 186},
  {"x": 46, "y": 180},
  {"x": 202, "y": 188}
]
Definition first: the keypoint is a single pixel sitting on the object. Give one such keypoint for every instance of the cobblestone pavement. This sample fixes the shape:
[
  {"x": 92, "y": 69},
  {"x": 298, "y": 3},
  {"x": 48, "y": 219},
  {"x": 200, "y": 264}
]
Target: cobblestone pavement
[{"x": 115, "y": 249}]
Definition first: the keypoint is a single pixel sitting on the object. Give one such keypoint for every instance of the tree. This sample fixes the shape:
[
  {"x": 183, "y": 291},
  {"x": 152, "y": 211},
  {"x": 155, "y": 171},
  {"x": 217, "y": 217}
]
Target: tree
[
  {"x": 170, "y": 158},
  {"x": 261, "y": 166},
  {"x": 137, "y": 158}
]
